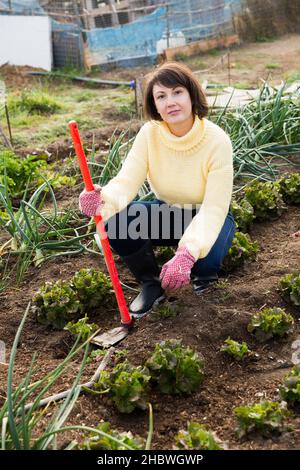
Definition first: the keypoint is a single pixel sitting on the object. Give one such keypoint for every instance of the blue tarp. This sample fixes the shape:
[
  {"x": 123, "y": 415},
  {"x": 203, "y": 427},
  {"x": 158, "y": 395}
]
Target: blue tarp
[{"x": 131, "y": 40}]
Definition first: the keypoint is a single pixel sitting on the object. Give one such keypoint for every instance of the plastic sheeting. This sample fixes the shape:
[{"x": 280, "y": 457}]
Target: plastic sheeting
[{"x": 129, "y": 41}]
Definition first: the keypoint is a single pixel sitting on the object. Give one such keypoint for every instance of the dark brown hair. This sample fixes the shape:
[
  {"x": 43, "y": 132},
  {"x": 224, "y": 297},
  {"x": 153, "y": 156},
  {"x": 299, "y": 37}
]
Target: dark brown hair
[{"x": 171, "y": 74}]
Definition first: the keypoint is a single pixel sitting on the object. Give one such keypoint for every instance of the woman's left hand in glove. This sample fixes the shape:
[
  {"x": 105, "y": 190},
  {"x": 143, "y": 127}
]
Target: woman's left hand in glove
[{"x": 176, "y": 272}]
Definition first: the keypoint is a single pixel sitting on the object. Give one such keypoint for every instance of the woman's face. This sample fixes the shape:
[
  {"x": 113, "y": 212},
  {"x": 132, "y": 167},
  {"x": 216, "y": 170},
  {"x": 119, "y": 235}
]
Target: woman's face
[{"x": 173, "y": 104}]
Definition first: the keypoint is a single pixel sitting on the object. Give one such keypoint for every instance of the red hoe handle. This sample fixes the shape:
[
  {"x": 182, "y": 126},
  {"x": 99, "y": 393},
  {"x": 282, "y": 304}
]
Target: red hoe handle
[{"x": 125, "y": 315}]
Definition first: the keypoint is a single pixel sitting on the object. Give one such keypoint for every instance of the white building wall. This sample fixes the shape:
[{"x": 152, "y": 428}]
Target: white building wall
[{"x": 26, "y": 40}]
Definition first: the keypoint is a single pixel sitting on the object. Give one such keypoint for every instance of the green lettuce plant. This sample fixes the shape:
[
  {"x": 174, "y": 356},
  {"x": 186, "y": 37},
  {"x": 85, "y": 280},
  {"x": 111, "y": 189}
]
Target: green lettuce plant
[
  {"x": 127, "y": 386},
  {"x": 289, "y": 286},
  {"x": 290, "y": 389},
  {"x": 104, "y": 442},
  {"x": 265, "y": 418},
  {"x": 93, "y": 288},
  {"x": 266, "y": 199},
  {"x": 235, "y": 349},
  {"x": 271, "y": 322},
  {"x": 82, "y": 328},
  {"x": 176, "y": 369},
  {"x": 290, "y": 188},
  {"x": 56, "y": 304},
  {"x": 242, "y": 249},
  {"x": 243, "y": 214},
  {"x": 198, "y": 437}
]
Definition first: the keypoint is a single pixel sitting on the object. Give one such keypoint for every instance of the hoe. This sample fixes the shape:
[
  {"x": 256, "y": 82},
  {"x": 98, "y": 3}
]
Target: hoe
[{"x": 116, "y": 334}]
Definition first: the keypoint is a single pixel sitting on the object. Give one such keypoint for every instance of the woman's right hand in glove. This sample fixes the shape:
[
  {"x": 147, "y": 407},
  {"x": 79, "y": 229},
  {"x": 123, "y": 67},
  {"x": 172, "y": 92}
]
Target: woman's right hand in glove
[{"x": 91, "y": 202}]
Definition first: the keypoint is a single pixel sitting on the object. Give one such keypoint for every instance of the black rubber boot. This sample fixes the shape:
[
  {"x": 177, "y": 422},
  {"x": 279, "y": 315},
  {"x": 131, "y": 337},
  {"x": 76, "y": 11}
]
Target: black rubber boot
[
  {"x": 201, "y": 284},
  {"x": 143, "y": 266}
]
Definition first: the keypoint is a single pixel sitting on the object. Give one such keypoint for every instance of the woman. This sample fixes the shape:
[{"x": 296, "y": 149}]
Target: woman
[{"x": 187, "y": 160}]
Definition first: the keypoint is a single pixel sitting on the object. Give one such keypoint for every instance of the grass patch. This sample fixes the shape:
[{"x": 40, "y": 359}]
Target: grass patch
[
  {"x": 242, "y": 85},
  {"x": 273, "y": 66},
  {"x": 86, "y": 95},
  {"x": 292, "y": 76},
  {"x": 34, "y": 102},
  {"x": 213, "y": 52}
]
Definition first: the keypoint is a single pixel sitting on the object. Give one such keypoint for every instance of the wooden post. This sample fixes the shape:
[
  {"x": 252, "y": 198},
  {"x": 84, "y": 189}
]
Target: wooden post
[
  {"x": 8, "y": 124},
  {"x": 228, "y": 66},
  {"x": 139, "y": 95}
]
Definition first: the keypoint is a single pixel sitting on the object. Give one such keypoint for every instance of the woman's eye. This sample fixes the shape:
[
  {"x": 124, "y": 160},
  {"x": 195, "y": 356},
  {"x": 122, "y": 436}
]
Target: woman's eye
[
  {"x": 158, "y": 97},
  {"x": 178, "y": 92}
]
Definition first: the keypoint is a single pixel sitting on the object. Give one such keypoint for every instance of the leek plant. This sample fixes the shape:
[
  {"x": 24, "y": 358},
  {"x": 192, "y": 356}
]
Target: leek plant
[
  {"x": 20, "y": 421},
  {"x": 37, "y": 234},
  {"x": 264, "y": 133}
]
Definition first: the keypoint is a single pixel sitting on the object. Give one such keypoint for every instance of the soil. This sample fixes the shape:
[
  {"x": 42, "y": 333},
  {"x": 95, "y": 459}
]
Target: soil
[{"x": 203, "y": 322}]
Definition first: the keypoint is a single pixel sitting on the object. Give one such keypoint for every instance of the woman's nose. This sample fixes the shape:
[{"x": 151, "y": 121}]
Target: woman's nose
[{"x": 170, "y": 100}]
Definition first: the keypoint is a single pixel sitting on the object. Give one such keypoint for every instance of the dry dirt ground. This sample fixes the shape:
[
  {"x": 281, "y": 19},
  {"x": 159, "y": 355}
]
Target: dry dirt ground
[{"x": 202, "y": 322}]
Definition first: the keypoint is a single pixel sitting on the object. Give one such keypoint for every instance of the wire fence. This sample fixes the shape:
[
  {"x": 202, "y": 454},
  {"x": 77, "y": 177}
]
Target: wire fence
[{"x": 133, "y": 32}]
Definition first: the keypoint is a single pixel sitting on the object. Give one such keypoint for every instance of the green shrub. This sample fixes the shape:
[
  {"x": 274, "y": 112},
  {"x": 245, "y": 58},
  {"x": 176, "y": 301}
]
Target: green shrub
[
  {"x": 265, "y": 417},
  {"x": 97, "y": 442},
  {"x": 243, "y": 214},
  {"x": 265, "y": 199},
  {"x": 290, "y": 288},
  {"x": 56, "y": 304},
  {"x": 198, "y": 437},
  {"x": 93, "y": 288},
  {"x": 290, "y": 390},
  {"x": 176, "y": 369},
  {"x": 271, "y": 322},
  {"x": 34, "y": 102},
  {"x": 290, "y": 188},
  {"x": 126, "y": 385},
  {"x": 16, "y": 171},
  {"x": 242, "y": 249},
  {"x": 235, "y": 349},
  {"x": 81, "y": 328}
]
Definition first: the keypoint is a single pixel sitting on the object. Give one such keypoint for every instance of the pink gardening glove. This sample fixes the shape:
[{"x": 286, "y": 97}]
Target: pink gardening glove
[
  {"x": 176, "y": 272},
  {"x": 91, "y": 202}
]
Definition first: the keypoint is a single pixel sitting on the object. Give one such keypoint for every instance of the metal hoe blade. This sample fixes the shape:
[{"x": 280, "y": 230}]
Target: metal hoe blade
[{"x": 111, "y": 337}]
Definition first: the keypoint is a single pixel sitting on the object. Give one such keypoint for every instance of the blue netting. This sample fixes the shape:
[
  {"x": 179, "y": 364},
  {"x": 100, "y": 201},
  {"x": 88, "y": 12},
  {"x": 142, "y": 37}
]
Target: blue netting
[
  {"x": 129, "y": 41},
  {"x": 193, "y": 21}
]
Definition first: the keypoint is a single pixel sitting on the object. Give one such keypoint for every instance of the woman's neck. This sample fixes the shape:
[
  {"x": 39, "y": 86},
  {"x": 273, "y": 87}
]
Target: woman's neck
[{"x": 181, "y": 128}]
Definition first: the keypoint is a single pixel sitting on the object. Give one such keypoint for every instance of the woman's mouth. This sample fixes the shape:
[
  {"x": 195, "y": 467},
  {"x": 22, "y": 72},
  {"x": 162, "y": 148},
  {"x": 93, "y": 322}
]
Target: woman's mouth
[{"x": 171, "y": 113}]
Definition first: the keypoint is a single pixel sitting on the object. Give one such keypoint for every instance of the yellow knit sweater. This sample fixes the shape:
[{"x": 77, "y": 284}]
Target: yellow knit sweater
[{"x": 194, "y": 169}]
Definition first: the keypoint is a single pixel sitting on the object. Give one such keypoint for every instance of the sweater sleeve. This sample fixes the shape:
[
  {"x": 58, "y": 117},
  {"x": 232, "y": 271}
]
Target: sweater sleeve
[
  {"x": 201, "y": 234},
  {"x": 123, "y": 188}
]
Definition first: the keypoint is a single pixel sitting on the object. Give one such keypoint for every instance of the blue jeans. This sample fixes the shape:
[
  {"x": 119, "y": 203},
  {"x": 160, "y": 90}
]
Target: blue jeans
[{"x": 128, "y": 232}]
